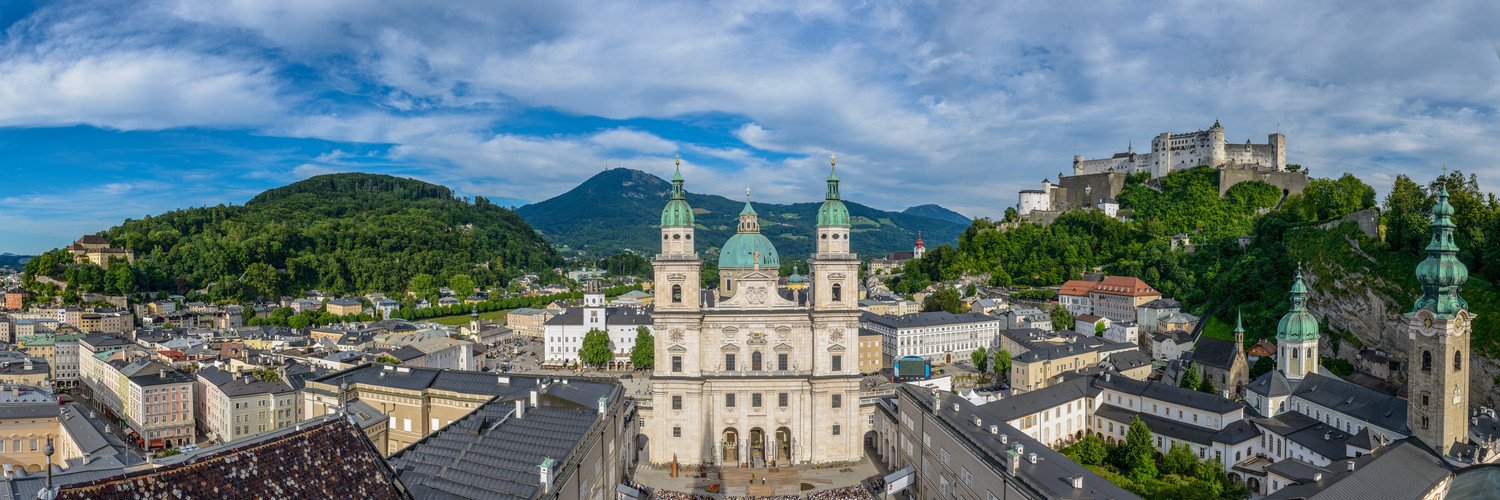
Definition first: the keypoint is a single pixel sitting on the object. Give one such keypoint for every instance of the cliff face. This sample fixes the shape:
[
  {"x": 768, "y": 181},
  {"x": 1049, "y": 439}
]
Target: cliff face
[{"x": 1364, "y": 296}]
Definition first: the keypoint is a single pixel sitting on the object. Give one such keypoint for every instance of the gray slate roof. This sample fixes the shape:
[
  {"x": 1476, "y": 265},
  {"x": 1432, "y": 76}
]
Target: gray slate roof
[
  {"x": 933, "y": 318},
  {"x": 1028, "y": 403},
  {"x": 1271, "y": 384},
  {"x": 1214, "y": 352},
  {"x": 1158, "y": 424},
  {"x": 1357, "y": 401},
  {"x": 612, "y": 316},
  {"x": 1406, "y": 469},
  {"x": 1168, "y": 392},
  {"x": 1311, "y": 433}
]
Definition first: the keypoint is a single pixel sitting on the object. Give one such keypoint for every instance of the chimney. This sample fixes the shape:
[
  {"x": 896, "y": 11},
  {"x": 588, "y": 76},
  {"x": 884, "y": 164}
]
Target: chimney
[
  {"x": 546, "y": 473},
  {"x": 994, "y": 429},
  {"x": 603, "y": 404},
  {"x": 1317, "y": 477},
  {"x": 1077, "y": 481},
  {"x": 534, "y": 398},
  {"x": 520, "y": 408},
  {"x": 1031, "y": 457},
  {"x": 1350, "y": 465},
  {"x": 1106, "y": 376},
  {"x": 1015, "y": 460}
]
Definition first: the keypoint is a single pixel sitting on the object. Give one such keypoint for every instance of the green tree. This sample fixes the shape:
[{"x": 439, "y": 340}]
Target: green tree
[
  {"x": 424, "y": 286},
  {"x": 596, "y": 349},
  {"x": 1138, "y": 454},
  {"x": 1179, "y": 460},
  {"x": 121, "y": 278},
  {"x": 971, "y": 290},
  {"x": 1091, "y": 450},
  {"x": 462, "y": 285},
  {"x": 1002, "y": 363},
  {"x": 1262, "y": 366},
  {"x": 1206, "y": 385},
  {"x": 1062, "y": 319},
  {"x": 643, "y": 354},
  {"x": 945, "y": 298},
  {"x": 1405, "y": 216},
  {"x": 262, "y": 281},
  {"x": 1099, "y": 328},
  {"x": 387, "y": 359},
  {"x": 980, "y": 358},
  {"x": 1190, "y": 379}
]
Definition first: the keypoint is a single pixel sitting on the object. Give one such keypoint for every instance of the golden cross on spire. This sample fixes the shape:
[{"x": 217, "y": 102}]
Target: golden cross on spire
[
  {"x": 833, "y": 159},
  {"x": 679, "y": 159},
  {"x": 747, "y": 195}
]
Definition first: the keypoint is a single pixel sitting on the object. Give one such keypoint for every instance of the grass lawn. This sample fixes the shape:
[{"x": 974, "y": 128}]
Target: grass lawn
[{"x": 463, "y": 319}]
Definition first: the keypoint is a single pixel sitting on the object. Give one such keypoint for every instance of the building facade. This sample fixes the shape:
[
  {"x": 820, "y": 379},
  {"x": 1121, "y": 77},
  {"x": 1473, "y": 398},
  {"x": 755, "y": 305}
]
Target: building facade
[
  {"x": 231, "y": 406},
  {"x": 563, "y": 334},
  {"x": 750, "y": 375},
  {"x": 938, "y": 336},
  {"x": 1171, "y": 152}
]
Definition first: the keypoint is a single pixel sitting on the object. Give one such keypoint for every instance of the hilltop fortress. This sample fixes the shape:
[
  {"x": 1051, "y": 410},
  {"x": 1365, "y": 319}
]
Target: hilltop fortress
[{"x": 1095, "y": 183}]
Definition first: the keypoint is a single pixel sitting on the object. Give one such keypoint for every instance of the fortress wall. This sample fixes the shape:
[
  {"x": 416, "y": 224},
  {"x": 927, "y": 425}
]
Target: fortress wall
[{"x": 1291, "y": 182}]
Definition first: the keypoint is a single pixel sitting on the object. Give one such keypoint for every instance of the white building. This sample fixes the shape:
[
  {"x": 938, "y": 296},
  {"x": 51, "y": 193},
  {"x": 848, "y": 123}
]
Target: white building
[
  {"x": 562, "y": 335},
  {"x": 938, "y": 336}
]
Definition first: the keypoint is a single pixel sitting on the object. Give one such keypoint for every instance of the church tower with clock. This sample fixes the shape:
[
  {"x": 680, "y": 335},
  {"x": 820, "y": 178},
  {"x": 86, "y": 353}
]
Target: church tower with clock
[{"x": 1439, "y": 329}]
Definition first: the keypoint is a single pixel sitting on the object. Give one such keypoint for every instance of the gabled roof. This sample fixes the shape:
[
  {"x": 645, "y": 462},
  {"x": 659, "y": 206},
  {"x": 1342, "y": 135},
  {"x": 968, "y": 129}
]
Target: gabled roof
[
  {"x": 1032, "y": 402},
  {"x": 1170, "y": 393},
  {"x": 1124, "y": 285},
  {"x": 1406, "y": 469},
  {"x": 1216, "y": 353},
  {"x": 1077, "y": 288},
  {"x": 1323, "y": 439},
  {"x": 1271, "y": 384},
  {"x": 1355, "y": 400}
]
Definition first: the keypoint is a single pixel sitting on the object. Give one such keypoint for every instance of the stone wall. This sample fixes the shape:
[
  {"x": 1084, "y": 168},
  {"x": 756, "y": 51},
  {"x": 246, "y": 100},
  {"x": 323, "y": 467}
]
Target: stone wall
[
  {"x": 1084, "y": 191},
  {"x": 1290, "y": 182}
]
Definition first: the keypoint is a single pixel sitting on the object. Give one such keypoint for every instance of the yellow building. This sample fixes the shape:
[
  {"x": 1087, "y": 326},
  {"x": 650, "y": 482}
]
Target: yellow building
[
  {"x": 19, "y": 369},
  {"x": 871, "y": 359},
  {"x": 418, "y": 400},
  {"x": 344, "y": 307},
  {"x": 28, "y": 418}
]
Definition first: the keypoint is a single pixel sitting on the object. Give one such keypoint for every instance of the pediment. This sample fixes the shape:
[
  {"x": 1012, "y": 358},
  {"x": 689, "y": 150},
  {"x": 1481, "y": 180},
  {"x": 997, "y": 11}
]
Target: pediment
[
  {"x": 836, "y": 348},
  {"x": 676, "y": 348},
  {"x": 783, "y": 347},
  {"x": 729, "y": 348}
]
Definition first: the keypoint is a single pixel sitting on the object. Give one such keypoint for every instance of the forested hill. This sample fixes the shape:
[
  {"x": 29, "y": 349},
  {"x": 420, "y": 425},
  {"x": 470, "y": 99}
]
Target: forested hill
[
  {"x": 620, "y": 209},
  {"x": 340, "y": 233},
  {"x": 937, "y": 212}
]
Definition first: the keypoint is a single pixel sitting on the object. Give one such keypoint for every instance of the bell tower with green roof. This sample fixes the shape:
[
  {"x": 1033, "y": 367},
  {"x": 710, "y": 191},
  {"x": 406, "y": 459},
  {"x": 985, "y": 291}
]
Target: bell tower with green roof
[
  {"x": 834, "y": 268},
  {"x": 1297, "y": 336},
  {"x": 677, "y": 265},
  {"x": 1437, "y": 383}
]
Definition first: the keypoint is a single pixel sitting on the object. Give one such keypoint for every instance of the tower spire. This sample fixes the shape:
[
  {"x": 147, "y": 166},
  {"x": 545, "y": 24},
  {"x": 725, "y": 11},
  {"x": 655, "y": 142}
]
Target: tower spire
[{"x": 1442, "y": 275}]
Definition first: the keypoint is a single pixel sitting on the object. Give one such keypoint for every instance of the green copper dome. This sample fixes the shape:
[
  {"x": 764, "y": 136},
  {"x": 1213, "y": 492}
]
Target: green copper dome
[
  {"x": 1442, "y": 275},
  {"x": 677, "y": 213},
  {"x": 833, "y": 212},
  {"x": 748, "y": 248},
  {"x": 1297, "y": 325},
  {"x": 741, "y": 250}
]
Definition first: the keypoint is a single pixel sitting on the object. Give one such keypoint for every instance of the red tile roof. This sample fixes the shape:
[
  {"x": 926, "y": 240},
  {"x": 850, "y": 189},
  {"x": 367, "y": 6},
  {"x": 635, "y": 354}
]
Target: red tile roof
[
  {"x": 1125, "y": 285},
  {"x": 1077, "y": 288}
]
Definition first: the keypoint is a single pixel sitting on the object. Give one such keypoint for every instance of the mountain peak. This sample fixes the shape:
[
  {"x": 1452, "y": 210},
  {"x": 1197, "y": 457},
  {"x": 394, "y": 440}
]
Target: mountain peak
[
  {"x": 934, "y": 211},
  {"x": 355, "y": 184}
]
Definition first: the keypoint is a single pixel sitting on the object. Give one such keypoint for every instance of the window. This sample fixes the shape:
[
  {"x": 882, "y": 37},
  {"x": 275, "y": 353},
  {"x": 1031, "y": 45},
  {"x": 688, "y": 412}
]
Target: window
[
  {"x": 676, "y": 431},
  {"x": 781, "y": 399},
  {"x": 838, "y": 363},
  {"x": 676, "y": 402},
  {"x": 406, "y": 424},
  {"x": 1424, "y": 400},
  {"x": 729, "y": 362},
  {"x": 838, "y": 292},
  {"x": 729, "y": 400},
  {"x": 1458, "y": 360},
  {"x": 1425, "y": 421},
  {"x": 835, "y": 427},
  {"x": 838, "y": 400},
  {"x": 755, "y": 400},
  {"x": 677, "y": 364},
  {"x": 1426, "y": 361},
  {"x": 676, "y": 294},
  {"x": 782, "y": 361},
  {"x": 755, "y": 361}
]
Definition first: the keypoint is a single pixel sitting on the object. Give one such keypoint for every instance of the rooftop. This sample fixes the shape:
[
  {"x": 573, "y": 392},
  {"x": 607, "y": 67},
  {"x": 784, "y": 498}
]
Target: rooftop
[
  {"x": 922, "y": 319},
  {"x": 1357, "y": 401}
]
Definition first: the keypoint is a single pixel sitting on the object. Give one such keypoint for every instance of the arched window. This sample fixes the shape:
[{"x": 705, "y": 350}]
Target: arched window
[
  {"x": 676, "y": 294},
  {"x": 1309, "y": 353},
  {"x": 755, "y": 361},
  {"x": 1458, "y": 360},
  {"x": 1426, "y": 361},
  {"x": 838, "y": 292},
  {"x": 1294, "y": 353}
]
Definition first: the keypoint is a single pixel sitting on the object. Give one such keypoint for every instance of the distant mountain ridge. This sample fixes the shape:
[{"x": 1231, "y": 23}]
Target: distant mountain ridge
[
  {"x": 620, "y": 209},
  {"x": 938, "y": 212}
]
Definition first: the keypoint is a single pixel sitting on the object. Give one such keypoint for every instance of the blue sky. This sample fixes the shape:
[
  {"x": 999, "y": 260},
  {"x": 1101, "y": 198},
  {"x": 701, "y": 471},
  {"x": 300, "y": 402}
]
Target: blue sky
[{"x": 115, "y": 109}]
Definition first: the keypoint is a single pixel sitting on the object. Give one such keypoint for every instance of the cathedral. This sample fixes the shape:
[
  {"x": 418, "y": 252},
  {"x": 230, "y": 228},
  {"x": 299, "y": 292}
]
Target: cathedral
[{"x": 749, "y": 374}]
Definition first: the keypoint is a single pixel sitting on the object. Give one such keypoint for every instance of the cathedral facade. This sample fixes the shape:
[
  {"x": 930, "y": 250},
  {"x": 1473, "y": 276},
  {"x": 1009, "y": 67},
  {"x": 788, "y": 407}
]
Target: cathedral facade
[{"x": 752, "y": 374}]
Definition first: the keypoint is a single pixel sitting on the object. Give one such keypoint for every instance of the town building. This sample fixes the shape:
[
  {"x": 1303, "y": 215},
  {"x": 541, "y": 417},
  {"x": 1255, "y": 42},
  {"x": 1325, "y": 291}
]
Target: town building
[
  {"x": 890, "y": 306},
  {"x": 233, "y": 405},
  {"x": 1117, "y": 297},
  {"x": 344, "y": 307},
  {"x": 28, "y": 422},
  {"x": 751, "y": 374},
  {"x": 938, "y": 336},
  {"x": 1150, "y": 314},
  {"x": 154, "y": 400},
  {"x": 528, "y": 321},
  {"x": 563, "y": 335},
  {"x": 496, "y": 451},
  {"x": 15, "y": 299},
  {"x": 1024, "y": 317},
  {"x": 18, "y": 368},
  {"x": 872, "y": 357},
  {"x": 93, "y": 249}
]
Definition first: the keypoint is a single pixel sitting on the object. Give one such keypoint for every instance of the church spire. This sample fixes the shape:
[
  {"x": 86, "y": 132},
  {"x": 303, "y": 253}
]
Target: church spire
[
  {"x": 1442, "y": 275},
  {"x": 833, "y": 178}
]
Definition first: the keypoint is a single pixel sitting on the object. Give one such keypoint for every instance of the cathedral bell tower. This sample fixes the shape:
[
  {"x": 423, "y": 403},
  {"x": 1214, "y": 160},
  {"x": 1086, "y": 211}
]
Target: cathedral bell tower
[
  {"x": 1439, "y": 327},
  {"x": 677, "y": 267},
  {"x": 835, "y": 270}
]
